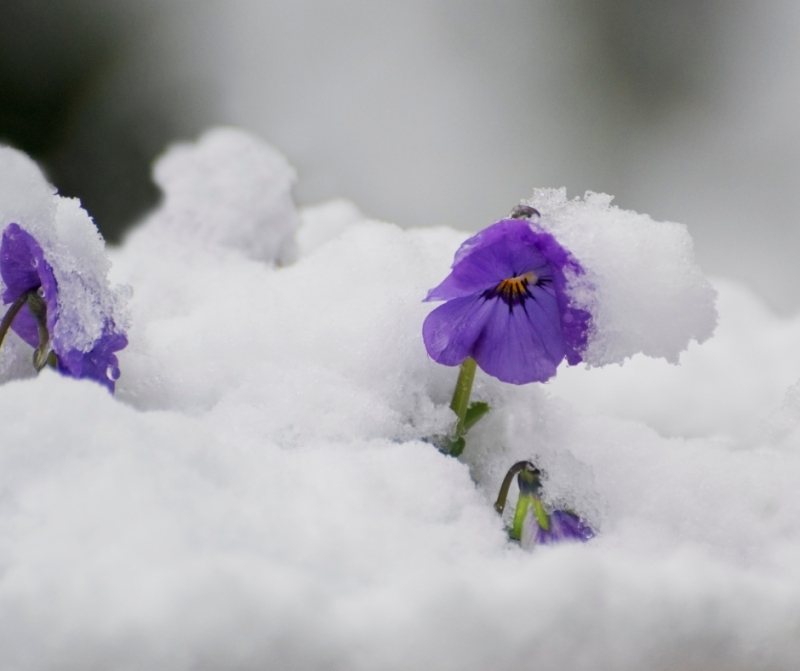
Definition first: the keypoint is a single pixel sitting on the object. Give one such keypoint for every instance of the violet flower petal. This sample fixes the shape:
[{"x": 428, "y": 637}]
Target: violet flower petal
[
  {"x": 565, "y": 527},
  {"x": 505, "y": 249},
  {"x": 515, "y": 346},
  {"x": 99, "y": 364},
  {"x": 23, "y": 267},
  {"x": 451, "y": 330},
  {"x": 524, "y": 343}
]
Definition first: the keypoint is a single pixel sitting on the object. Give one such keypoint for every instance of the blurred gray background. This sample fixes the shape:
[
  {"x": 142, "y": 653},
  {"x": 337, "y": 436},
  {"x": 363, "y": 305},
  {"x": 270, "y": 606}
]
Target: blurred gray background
[{"x": 434, "y": 112}]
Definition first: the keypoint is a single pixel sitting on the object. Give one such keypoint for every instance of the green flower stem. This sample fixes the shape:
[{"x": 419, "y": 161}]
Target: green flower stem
[
  {"x": 502, "y": 496},
  {"x": 460, "y": 402}
]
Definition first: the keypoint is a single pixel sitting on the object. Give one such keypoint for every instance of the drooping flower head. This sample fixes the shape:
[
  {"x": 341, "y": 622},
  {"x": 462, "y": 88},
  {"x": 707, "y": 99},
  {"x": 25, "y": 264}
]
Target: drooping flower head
[
  {"x": 33, "y": 292},
  {"x": 507, "y": 304},
  {"x": 533, "y": 524}
]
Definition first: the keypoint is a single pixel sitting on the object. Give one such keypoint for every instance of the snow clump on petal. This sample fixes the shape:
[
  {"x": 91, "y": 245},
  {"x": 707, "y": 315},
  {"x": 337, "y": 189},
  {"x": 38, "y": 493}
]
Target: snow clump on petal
[{"x": 641, "y": 284}]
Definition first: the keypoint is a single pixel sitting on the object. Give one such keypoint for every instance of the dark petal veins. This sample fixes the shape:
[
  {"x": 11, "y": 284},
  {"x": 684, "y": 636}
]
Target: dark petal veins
[
  {"x": 517, "y": 347},
  {"x": 524, "y": 345}
]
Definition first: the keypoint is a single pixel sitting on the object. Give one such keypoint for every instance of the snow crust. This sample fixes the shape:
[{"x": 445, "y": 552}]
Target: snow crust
[{"x": 259, "y": 493}]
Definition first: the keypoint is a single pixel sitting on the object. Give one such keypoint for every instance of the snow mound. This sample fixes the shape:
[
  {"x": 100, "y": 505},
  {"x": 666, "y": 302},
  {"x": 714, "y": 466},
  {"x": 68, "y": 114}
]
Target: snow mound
[
  {"x": 229, "y": 188},
  {"x": 321, "y": 223},
  {"x": 722, "y": 388},
  {"x": 259, "y": 493},
  {"x": 642, "y": 285}
]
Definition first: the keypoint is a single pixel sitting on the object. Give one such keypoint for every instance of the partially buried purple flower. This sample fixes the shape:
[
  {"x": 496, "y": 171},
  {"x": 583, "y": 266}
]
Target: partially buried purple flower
[
  {"x": 33, "y": 292},
  {"x": 507, "y": 305},
  {"x": 562, "y": 527},
  {"x": 532, "y": 524}
]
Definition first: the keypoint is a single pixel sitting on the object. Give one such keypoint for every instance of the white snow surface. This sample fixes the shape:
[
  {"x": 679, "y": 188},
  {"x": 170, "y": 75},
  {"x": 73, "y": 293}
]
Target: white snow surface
[{"x": 259, "y": 493}]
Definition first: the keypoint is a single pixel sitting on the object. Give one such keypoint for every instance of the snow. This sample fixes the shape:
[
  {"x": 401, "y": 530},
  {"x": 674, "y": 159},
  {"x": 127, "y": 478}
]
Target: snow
[
  {"x": 230, "y": 189},
  {"x": 642, "y": 285},
  {"x": 259, "y": 494}
]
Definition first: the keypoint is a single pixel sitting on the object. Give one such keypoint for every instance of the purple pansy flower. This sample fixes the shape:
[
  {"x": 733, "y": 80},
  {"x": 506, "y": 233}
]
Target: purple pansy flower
[
  {"x": 31, "y": 286},
  {"x": 507, "y": 305},
  {"x": 533, "y": 524}
]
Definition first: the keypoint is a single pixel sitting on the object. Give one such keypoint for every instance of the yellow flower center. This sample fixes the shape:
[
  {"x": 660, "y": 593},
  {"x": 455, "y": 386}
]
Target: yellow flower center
[{"x": 515, "y": 286}]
